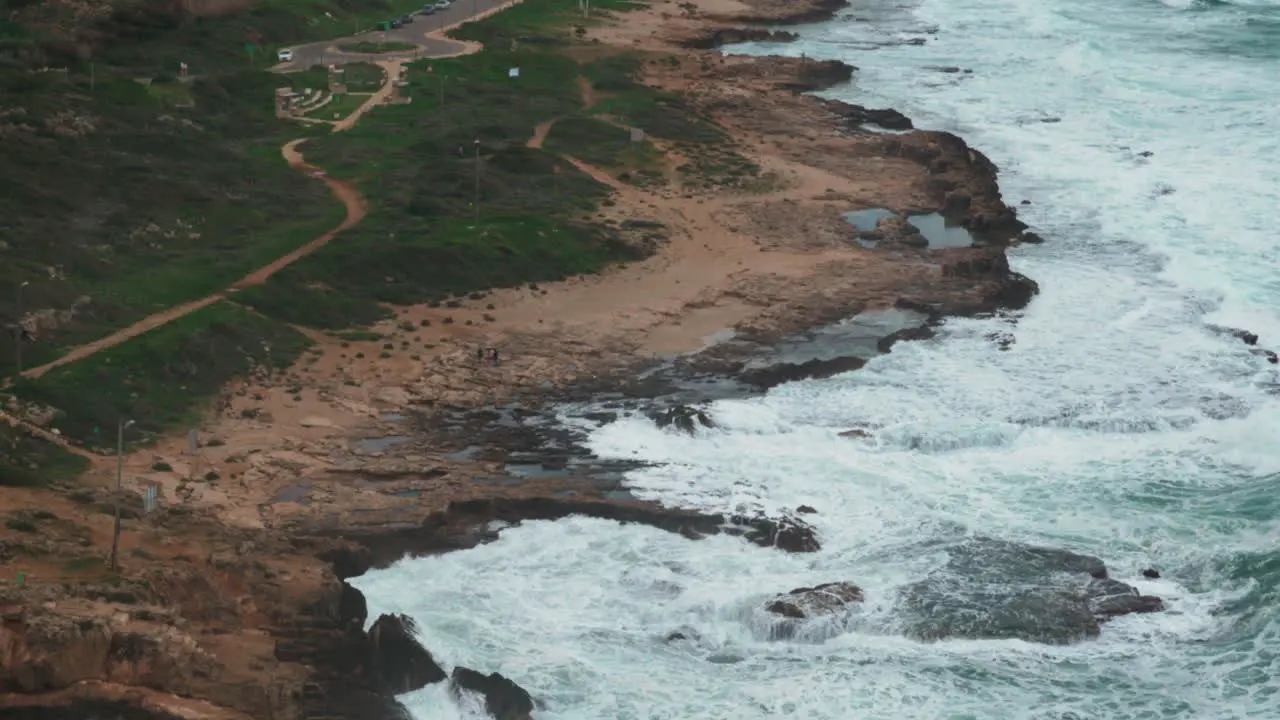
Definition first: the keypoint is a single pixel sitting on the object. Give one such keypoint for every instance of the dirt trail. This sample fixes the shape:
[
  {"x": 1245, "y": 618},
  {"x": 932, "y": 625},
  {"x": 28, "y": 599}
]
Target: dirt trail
[
  {"x": 150, "y": 322},
  {"x": 540, "y": 134},
  {"x": 596, "y": 173},
  {"x": 393, "y": 69},
  {"x": 355, "y": 203},
  {"x": 588, "y": 93},
  {"x": 45, "y": 435}
]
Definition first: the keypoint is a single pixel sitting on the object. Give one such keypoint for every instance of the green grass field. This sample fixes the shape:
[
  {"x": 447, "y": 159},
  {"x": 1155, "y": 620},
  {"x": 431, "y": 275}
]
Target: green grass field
[
  {"x": 162, "y": 379},
  {"x": 115, "y": 204},
  {"x": 26, "y": 461}
]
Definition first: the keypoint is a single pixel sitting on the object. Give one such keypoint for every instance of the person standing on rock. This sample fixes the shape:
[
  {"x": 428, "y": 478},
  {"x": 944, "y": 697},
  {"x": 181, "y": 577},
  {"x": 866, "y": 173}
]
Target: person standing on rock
[
  {"x": 495, "y": 356},
  {"x": 480, "y": 355}
]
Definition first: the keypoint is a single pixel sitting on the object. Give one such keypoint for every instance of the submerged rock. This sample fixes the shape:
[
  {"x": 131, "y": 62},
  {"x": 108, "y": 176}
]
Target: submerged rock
[
  {"x": 774, "y": 375},
  {"x": 684, "y": 418},
  {"x": 994, "y": 589},
  {"x": 396, "y": 663},
  {"x": 787, "y": 533},
  {"x": 809, "y": 602},
  {"x": 1244, "y": 336},
  {"x": 856, "y": 433},
  {"x": 504, "y": 699}
]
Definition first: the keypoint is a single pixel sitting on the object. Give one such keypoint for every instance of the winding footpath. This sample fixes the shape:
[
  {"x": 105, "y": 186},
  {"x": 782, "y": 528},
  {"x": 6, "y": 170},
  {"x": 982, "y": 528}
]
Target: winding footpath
[
  {"x": 392, "y": 65},
  {"x": 434, "y": 46}
]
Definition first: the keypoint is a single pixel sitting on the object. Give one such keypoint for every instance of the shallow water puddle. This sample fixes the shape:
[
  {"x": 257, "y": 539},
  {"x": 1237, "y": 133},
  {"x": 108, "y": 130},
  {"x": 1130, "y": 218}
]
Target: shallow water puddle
[
  {"x": 379, "y": 444},
  {"x": 939, "y": 232}
]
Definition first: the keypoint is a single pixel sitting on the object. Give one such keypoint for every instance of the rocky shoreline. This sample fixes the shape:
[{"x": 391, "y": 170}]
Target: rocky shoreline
[{"x": 260, "y": 623}]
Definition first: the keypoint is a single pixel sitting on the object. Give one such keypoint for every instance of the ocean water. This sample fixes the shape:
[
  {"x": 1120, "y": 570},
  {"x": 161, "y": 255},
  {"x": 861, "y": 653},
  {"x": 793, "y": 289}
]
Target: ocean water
[{"x": 1117, "y": 424}]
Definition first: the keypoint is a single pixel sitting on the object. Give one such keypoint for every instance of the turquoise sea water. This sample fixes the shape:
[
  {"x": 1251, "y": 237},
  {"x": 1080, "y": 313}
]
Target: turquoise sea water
[{"x": 1117, "y": 424}]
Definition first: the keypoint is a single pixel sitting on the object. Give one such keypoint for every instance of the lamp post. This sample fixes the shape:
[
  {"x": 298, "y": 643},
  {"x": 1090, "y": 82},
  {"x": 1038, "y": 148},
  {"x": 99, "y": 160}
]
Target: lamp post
[
  {"x": 17, "y": 329},
  {"x": 115, "y": 537}
]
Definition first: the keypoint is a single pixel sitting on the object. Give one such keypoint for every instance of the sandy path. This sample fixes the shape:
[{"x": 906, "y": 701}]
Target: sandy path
[
  {"x": 540, "y": 134},
  {"x": 356, "y": 205}
]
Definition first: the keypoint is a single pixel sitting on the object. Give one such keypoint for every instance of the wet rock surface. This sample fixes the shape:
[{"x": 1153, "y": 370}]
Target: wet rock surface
[
  {"x": 994, "y": 589},
  {"x": 684, "y": 418},
  {"x": 787, "y": 533},
  {"x": 503, "y": 699},
  {"x": 396, "y": 663},
  {"x": 856, "y": 115},
  {"x": 717, "y": 37},
  {"x": 809, "y": 602}
]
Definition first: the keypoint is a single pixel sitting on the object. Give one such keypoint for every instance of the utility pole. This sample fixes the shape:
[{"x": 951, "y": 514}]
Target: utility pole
[
  {"x": 115, "y": 537},
  {"x": 477, "y": 199},
  {"x": 17, "y": 329}
]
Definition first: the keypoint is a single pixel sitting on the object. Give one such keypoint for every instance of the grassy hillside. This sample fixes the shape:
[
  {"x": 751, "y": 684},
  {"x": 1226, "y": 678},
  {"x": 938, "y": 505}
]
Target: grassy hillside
[
  {"x": 118, "y": 200},
  {"x": 162, "y": 379}
]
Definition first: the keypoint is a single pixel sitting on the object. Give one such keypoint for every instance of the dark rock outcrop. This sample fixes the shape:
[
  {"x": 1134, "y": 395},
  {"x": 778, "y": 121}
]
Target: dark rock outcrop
[
  {"x": 787, "y": 533},
  {"x": 1000, "y": 590},
  {"x": 810, "y": 602},
  {"x": 956, "y": 169},
  {"x": 685, "y": 418},
  {"x": 1244, "y": 336},
  {"x": 774, "y": 375},
  {"x": 718, "y": 37},
  {"x": 395, "y": 662},
  {"x": 503, "y": 699},
  {"x": 817, "y": 75},
  {"x": 1112, "y": 598},
  {"x": 886, "y": 343},
  {"x": 856, "y": 115}
]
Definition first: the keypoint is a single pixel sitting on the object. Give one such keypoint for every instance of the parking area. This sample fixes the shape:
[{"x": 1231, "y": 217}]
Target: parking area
[{"x": 394, "y": 31}]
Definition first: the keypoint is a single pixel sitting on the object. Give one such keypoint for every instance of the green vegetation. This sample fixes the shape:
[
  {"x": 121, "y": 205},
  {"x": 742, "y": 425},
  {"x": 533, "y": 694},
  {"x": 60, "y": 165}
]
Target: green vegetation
[
  {"x": 161, "y": 379},
  {"x": 601, "y": 144},
  {"x": 27, "y": 461},
  {"x": 105, "y": 216},
  {"x": 417, "y": 165},
  {"x": 310, "y": 305},
  {"x": 376, "y": 48},
  {"x": 338, "y": 108},
  {"x": 363, "y": 77}
]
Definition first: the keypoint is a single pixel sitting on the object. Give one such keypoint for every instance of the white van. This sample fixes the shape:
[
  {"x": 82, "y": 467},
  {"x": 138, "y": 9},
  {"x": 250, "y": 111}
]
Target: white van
[{"x": 285, "y": 56}]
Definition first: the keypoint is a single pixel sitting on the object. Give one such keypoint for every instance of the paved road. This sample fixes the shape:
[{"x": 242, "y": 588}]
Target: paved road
[{"x": 327, "y": 53}]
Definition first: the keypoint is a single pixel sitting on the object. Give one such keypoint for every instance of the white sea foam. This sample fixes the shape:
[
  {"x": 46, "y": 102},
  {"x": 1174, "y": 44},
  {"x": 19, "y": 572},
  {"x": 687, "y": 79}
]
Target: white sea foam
[{"x": 1116, "y": 424}]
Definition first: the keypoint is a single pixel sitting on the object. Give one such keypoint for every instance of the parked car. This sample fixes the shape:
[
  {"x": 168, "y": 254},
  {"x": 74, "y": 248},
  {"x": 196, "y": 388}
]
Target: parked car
[
  {"x": 285, "y": 55},
  {"x": 428, "y": 10},
  {"x": 396, "y": 24},
  {"x": 406, "y": 19},
  {"x": 442, "y": 4}
]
